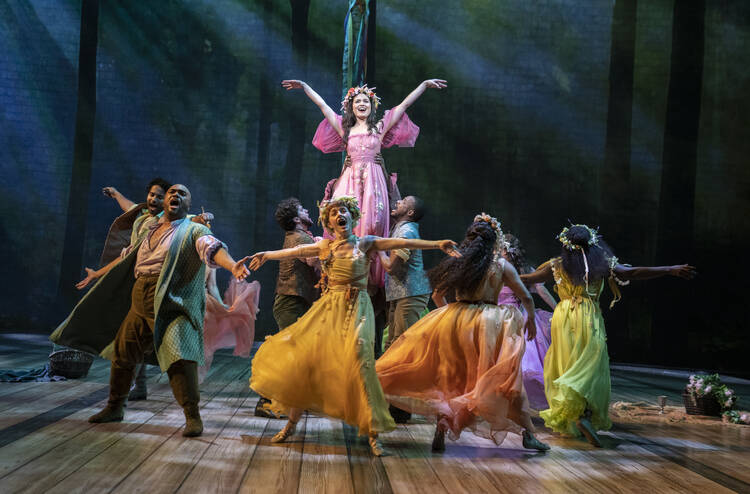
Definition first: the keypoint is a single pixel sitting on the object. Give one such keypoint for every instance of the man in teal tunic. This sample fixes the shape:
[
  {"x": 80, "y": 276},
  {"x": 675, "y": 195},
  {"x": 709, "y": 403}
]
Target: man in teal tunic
[{"x": 155, "y": 295}]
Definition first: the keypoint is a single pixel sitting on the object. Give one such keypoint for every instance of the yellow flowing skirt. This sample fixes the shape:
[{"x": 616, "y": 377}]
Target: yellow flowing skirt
[
  {"x": 325, "y": 363},
  {"x": 576, "y": 368}
]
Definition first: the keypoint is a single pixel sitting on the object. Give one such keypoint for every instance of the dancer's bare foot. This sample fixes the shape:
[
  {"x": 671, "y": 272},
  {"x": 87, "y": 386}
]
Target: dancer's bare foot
[
  {"x": 284, "y": 433},
  {"x": 375, "y": 446}
]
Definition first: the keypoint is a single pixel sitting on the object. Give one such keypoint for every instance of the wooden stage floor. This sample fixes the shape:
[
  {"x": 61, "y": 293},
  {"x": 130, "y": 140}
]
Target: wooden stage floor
[{"x": 46, "y": 445}]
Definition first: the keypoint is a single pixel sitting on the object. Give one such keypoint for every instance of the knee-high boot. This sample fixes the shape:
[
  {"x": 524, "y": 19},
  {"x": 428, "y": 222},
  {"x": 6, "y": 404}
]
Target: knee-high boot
[
  {"x": 139, "y": 391},
  {"x": 119, "y": 386},
  {"x": 183, "y": 378}
]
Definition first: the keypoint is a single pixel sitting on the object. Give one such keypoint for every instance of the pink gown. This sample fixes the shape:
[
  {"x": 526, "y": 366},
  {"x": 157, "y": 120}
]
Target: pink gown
[
  {"x": 533, "y": 358},
  {"x": 365, "y": 179},
  {"x": 231, "y": 324}
]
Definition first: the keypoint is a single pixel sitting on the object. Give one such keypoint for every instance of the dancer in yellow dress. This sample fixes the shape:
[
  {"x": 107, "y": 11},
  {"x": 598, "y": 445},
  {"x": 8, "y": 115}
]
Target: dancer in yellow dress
[
  {"x": 576, "y": 367},
  {"x": 462, "y": 362},
  {"x": 325, "y": 361}
]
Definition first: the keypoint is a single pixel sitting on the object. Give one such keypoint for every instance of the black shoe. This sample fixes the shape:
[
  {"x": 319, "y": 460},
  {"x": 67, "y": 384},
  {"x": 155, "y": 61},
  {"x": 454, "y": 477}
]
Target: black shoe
[
  {"x": 399, "y": 416},
  {"x": 438, "y": 442}
]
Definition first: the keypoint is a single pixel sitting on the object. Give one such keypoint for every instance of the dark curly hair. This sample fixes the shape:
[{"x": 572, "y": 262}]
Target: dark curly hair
[
  {"x": 348, "y": 119},
  {"x": 516, "y": 254},
  {"x": 597, "y": 256},
  {"x": 286, "y": 211},
  {"x": 160, "y": 182},
  {"x": 465, "y": 273}
]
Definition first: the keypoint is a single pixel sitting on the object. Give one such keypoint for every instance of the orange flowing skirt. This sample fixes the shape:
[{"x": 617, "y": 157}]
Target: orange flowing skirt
[{"x": 461, "y": 363}]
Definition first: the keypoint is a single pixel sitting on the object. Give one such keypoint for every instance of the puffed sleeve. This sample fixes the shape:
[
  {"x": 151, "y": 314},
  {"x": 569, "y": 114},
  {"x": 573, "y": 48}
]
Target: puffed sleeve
[
  {"x": 327, "y": 139},
  {"x": 403, "y": 133}
]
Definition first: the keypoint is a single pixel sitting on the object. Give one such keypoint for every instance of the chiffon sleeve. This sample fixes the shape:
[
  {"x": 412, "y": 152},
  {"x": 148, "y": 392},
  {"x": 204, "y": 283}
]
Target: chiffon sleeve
[
  {"x": 403, "y": 133},
  {"x": 327, "y": 139}
]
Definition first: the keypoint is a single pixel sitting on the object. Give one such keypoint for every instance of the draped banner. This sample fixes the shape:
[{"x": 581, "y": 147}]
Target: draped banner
[{"x": 354, "y": 65}]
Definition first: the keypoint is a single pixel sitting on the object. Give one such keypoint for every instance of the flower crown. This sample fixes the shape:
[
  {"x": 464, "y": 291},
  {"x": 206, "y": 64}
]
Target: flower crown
[
  {"x": 354, "y": 91},
  {"x": 350, "y": 202},
  {"x": 495, "y": 224},
  {"x": 563, "y": 237}
]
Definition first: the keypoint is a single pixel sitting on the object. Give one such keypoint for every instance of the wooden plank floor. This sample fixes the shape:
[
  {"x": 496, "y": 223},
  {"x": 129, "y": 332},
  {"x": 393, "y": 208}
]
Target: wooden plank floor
[{"x": 46, "y": 445}]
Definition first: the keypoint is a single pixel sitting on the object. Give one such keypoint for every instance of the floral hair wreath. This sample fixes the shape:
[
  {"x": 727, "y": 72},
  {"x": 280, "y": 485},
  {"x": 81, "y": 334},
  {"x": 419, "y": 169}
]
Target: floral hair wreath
[
  {"x": 354, "y": 91},
  {"x": 350, "y": 202},
  {"x": 495, "y": 224},
  {"x": 563, "y": 237}
]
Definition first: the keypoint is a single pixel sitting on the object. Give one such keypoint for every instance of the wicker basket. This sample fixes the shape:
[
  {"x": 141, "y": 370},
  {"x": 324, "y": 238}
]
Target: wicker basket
[
  {"x": 72, "y": 364},
  {"x": 701, "y": 405}
]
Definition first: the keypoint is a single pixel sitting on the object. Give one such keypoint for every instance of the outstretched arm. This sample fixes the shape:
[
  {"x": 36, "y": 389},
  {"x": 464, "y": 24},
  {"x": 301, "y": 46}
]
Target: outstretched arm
[
  {"x": 115, "y": 194},
  {"x": 447, "y": 246},
  {"x": 511, "y": 278},
  {"x": 542, "y": 274},
  {"x": 299, "y": 252},
  {"x": 399, "y": 110},
  {"x": 237, "y": 268},
  {"x": 92, "y": 275},
  {"x": 648, "y": 272},
  {"x": 330, "y": 115},
  {"x": 542, "y": 291}
]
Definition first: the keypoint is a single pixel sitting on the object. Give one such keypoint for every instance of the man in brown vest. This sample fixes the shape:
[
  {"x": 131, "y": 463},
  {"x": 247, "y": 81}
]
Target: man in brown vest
[{"x": 295, "y": 285}]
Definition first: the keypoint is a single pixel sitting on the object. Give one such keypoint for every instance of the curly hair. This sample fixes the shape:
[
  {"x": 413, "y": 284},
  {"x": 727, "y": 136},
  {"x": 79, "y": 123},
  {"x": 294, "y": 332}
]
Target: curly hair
[
  {"x": 348, "y": 119},
  {"x": 465, "y": 273},
  {"x": 160, "y": 182},
  {"x": 598, "y": 255},
  {"x": 286, "y": 211},
  {"x": 325, "y": 210},
  {"x": 516, "y": 254}
]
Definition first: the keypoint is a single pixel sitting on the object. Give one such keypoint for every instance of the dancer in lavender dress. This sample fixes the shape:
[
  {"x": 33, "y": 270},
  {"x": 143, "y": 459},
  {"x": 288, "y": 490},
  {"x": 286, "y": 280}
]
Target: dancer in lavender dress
[{"x": 533, "y": 358}]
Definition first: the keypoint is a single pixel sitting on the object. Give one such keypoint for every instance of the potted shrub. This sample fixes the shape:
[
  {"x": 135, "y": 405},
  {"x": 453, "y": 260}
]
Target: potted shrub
[{"x": 706, "y": 395}]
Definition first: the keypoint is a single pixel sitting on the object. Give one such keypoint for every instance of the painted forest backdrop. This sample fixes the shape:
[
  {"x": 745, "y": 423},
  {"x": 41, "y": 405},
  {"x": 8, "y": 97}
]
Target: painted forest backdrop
[{"x": 627, "y": 115}]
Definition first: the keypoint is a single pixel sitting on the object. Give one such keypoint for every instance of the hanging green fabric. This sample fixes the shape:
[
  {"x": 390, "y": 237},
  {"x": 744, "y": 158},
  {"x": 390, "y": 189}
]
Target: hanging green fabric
[{"x": 354, "y": 66}]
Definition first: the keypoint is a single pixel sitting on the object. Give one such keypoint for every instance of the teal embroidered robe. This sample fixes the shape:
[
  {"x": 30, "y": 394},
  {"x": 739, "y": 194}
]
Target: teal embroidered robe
[{"x": 179, "y": 304}]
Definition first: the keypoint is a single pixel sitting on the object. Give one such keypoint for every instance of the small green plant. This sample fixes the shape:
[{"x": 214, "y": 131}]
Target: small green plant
[{"x": 710, "y": 385}]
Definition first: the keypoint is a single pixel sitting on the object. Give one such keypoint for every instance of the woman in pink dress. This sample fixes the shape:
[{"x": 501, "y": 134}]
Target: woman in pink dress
[
  {"x": 361, "y": 134},
  {"x": 533, "y": 357}
]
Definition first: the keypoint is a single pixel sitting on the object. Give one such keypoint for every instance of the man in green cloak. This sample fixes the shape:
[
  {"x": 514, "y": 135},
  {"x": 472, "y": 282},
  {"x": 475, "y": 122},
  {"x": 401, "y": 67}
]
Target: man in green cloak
[{"x": 151, "y": 304}]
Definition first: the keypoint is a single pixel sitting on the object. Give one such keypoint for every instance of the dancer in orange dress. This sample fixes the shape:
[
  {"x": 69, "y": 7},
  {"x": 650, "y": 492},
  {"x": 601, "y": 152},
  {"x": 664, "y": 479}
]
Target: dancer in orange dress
[{"x": 462, "y": 362}]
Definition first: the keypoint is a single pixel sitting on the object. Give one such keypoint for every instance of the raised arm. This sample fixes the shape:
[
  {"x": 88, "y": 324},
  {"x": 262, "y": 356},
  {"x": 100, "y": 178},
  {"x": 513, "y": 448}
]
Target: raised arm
[
  {"x": 513, "y": 281},
  {"x": 328, "y": 113},
  {"x": 648, "y": 272},
  {"x": 299, "y": 252},
  {"x": 399, "y": 110},
  {"x": 543, "y": 273},
  {"x": 124, "y": 202}
]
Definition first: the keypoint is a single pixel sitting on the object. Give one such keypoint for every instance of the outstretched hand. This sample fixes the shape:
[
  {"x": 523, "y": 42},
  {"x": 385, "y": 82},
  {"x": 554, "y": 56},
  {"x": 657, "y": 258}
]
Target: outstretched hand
[
  {"x": 436, "y": 83},
  {"x": 290, "y": 84},
  {"x": 530, "y": 327},
  {"x": 257, "y": 260},
  {"x": 684, "y": 271},
  {"x": 239, "y": 270},
  {"x": 449, "y": 247},
  {"x": 109, "y": 191},
  {"x": 91, "y": 275}
]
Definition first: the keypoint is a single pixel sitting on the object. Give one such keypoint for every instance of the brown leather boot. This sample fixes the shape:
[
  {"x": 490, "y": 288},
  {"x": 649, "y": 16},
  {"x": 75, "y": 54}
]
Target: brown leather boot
[
  {"x": 183, "y": 378},
  {"x": 139, "y": 390},
  {"x": 119, "y": 385}
]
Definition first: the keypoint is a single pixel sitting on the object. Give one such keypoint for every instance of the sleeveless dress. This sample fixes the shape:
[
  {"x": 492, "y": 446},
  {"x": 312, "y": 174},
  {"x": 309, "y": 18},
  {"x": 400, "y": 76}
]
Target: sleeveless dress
[
  {"x": 365, "y": 179},
  {"x": 325, "y": 361},
  {"x": 576, "y": 367},
  {"x": 463, "y": 362},
  {"x": 533, "y": 358}
]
